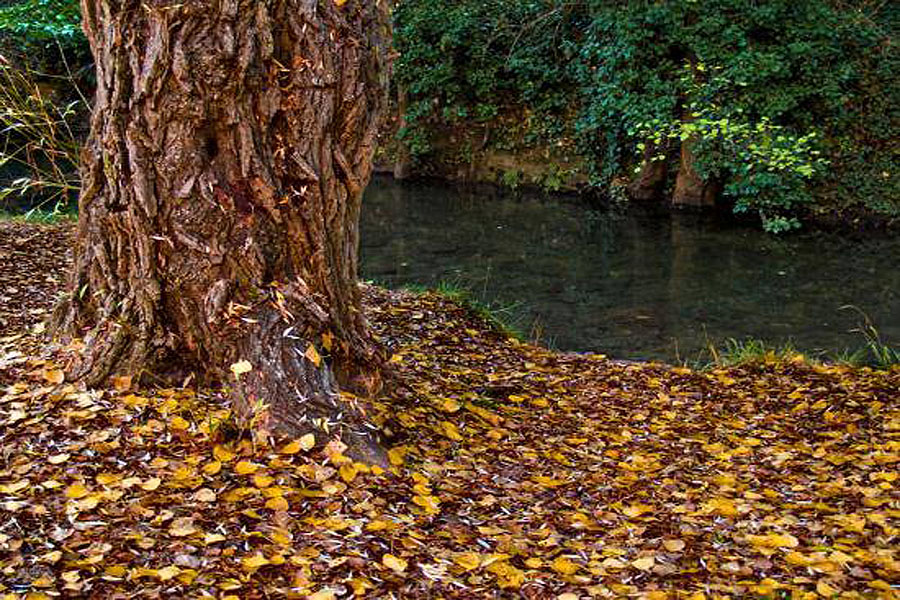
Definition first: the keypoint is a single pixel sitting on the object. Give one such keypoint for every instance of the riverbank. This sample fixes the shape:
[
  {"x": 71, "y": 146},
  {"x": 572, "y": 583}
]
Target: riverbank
[{"x": 518, "y": 472}]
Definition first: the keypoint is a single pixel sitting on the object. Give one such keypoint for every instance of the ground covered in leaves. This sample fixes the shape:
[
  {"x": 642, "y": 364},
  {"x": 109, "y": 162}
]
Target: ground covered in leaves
[{"x": 517, "y": 472}]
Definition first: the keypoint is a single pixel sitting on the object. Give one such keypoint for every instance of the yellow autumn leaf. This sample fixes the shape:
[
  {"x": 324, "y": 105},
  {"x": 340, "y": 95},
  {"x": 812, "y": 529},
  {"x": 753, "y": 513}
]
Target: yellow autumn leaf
[
  {"x": 252, "y": 563},
  {"x": 182, "y": 527},
  {"x": 57, "y": 459},
  {"x": 348, "y": 472},
  {"x": 636, "y": 510},
  {"x": 564, "y": 566},
  {"x": 534, "y": 563},
  {"x": 396, "y": 455},
  {"x": 325, "y": 594},
  {"x": 262, "y": 481},
  {"x": 212, "y": 467},
  {"x": 467, "y": 560},
  {"x": 313, "y": 355},
  {"x": 245, "y": 467},
  {"x": 76, "y": 491},
  {"x": 673, "y": 545},
  {"x": 277, "y": 503},
  {"x": 54, "y": 376},
  {"x": 241, "y": 367},
  {"x": 122, "y": 383},
  {"x": 290, "y": 448},
  {"x": 723, "y": 506},
  {"x": 644, "y": 563},
  {"x": 773, "y": 540},
  {"x": 395, "y": 563},
  {"x": 204, "y": 495},
  {"x": 167, "y": 573},
  {"x": 151, "y": 484},
  {"x": 222, "y": 453},
  {"x": 451, "y": 431},
  {"x": 307, "y": 442}
]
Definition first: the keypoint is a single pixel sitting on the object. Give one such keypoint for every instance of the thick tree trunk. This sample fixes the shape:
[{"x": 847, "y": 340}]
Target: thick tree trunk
[{"x": 230, "y": 144}]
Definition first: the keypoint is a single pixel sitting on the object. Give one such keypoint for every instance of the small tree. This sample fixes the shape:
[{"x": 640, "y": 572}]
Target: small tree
[{"x": 221, "y": 186}]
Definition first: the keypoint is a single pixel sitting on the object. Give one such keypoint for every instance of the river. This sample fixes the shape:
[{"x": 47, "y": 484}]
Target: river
[{"x": 631, "y": 284}]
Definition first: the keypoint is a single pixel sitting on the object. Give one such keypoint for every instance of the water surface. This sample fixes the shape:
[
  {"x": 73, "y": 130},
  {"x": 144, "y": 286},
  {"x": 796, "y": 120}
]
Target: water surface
[{"x": 634, "y": 285}]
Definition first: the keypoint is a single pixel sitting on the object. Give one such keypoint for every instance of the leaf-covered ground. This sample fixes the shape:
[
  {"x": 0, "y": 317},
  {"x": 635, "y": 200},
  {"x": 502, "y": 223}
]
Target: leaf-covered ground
[{"x": 518, "y": 472}]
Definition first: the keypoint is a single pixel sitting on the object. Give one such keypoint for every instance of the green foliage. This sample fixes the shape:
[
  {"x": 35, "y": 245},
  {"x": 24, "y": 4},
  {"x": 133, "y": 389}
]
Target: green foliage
[
  {"x": 790, "y": 105},
  {"x": 43, "y": 20},
  {"x": 469, "y": 61}
]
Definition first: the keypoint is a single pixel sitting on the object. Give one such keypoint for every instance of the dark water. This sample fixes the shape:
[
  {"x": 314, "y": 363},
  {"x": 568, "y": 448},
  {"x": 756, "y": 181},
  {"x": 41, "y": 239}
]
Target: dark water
[{"x": 635, "y": 285}]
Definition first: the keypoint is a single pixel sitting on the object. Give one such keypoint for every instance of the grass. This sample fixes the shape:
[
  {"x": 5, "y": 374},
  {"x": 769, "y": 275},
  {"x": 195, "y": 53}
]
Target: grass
[
  {"x": 874, "y": 353},
  {"x": 505, "y": 317},
  {"x": 40, "y": 215}
]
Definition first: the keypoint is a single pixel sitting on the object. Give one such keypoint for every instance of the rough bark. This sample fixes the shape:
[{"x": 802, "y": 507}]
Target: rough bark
[
  {"x": 691, "y": 190},
  {"x": 230, "y": 144}
]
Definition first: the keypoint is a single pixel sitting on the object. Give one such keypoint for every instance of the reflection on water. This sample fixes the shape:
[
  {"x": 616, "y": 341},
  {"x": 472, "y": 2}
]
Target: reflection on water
[{"x": 631, "y": 286}]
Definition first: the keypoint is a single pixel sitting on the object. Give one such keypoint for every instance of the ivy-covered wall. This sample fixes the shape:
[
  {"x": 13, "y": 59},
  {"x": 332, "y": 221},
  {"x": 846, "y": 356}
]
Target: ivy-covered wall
[{"x": 783, "y": 108}]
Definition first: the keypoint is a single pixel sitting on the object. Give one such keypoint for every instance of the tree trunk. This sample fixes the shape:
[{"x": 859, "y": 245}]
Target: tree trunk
[
  {"x": 690, "y": 189},
  {"x": 230, "y": 144},
  {"x": 651, "y": 179}
]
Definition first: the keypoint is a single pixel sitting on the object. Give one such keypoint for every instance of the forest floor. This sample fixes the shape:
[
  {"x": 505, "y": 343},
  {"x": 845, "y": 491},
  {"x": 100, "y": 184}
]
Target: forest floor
[{"x": 518, "y": 472}]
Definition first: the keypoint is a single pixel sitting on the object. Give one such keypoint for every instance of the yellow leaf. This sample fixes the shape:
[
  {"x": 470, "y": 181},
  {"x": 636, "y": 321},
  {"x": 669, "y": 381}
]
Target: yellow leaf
[
  {"x": 57, "y": 459},
  {"x": 179, "y": 423},
  {"x": 564, "y": 566},
  {"x": 205, "y": 495},
  {"x": 450, "y": 430},
  {"x": 534, "y": 563},
  {"x": 252, "y": 563},
  {"x": 636, "y": 510},
  {"x": 245, "y": 467},
  {"x": 212, "y": 538},
  {"x": 212, "y": 467},
  {"x": 327, "y": 341},
  {"x": 222, "y": 454},
  {"x": 467, "y": 560},
  {"x": 348, "y": 472},
  {"x": 673, "y": 545},
  {"x": 340, "y": 2},
  {"x": 290, "y": 448},
  {"x": 151, "y": 484},
  {"x": 429, "y": 503},
  {"x": 450, "y": 405},
  {"x": 76, "y": 490},
  {"x": 277, "y": 503},
  {"x": 395, "y": 455},
  {"x": 826, "y": 590},
  {"x": 325, "y": 594},
  {"x": 773, "y": 540},
  {"x": 122, "y": 383},
  {"x": 313, "y": 355},
  {"x": 723, "y": 506},
  {"x": 395, "y": 563},
  {"x": 307, "y": 442},
  {"x": 54, "y": 376},
  {"x": 182, "y": 527},
  {"x": 167, "y": 573},
  {"x": 644, "y": 564},
  {"x": 241, "y": 367},
  {"x": 262, "y": 481}
]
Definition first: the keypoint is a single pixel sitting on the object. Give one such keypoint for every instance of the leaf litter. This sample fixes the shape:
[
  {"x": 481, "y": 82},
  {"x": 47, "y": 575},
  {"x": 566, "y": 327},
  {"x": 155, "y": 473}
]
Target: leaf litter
[{"x": 516, "y": 472}]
